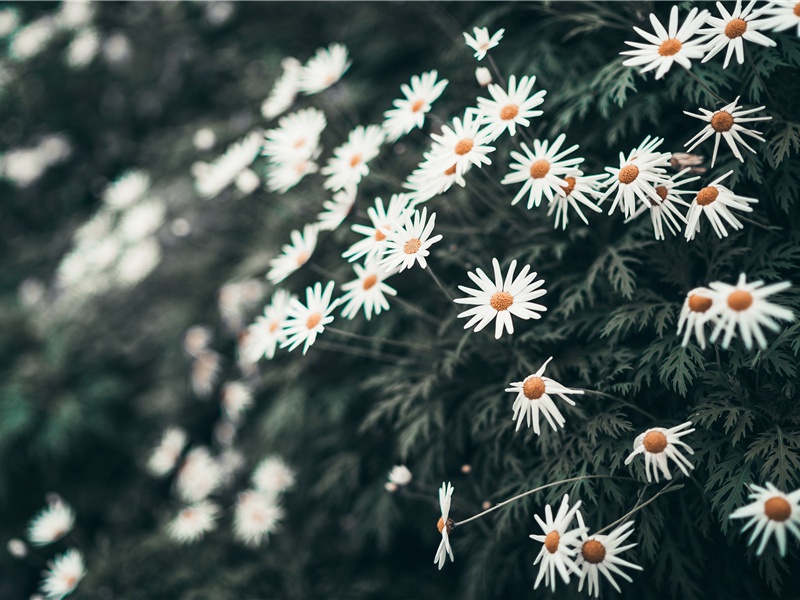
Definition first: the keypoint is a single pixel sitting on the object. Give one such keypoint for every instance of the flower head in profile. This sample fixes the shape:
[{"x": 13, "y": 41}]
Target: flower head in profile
[
  {"x": 445, "y": 526},
  {"x": 349, "y": 163},
  {"x": 668, "y": 45},
  {"x": 267, "y": 332},
  {"x": 294, "y": 255},
  {"x": 409, "y": 112},
  {"x": 599, "y": 554},
  {"x": 534, "y": 396},
  {"x": 305, "y": 321},
  {"x": 165, "y": 456},
  {"x": 323, "y": 69},
  {"x": 558, "y": 545},
  {"x": 715, "y": 202},
  {"x": 256, "y": 516},
  {"x": 695, "y": 313},
  {"x": 284, "y": 90},
  {"x": 410, "y": 241},
  {"x": 501, "y": 299},
  {"x": 770, "y": 512},
  {"x": 665, "y": 211},
  {"x": 400, "y": 475},
  {"x": 193, "y": 522},
  {"x": 64, "y": 574},
  {"x": 779, "y": 15},
  {"x": 507, "y": 109},
  {"x": 745, "y": 305},
  {"x": 483, "y": 42},
  {"x": 273, "y": 476},
  {"x": 659, "y": 444},
  {"x": 383, "y": 219},
  {"x": 367, "y": 290},
  {"x": 580, "y": 190},
  {"x": 729, "y": 30},
  {"x": 52, "y": 523}
]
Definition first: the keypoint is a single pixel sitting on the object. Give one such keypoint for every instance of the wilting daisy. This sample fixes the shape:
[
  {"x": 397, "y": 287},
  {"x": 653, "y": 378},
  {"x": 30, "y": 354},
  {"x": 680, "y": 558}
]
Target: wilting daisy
[
  {"x": 284, "y": 91},
  {"x": 558, "y": 544},
  {"x": 579, "y": 189},
  {"x": 211, "y": 179},
  {"x": 324, "y": 69},
  {"x": 770, "y": 511},
  {"x": 295, "y": 137},
  {"x": 165, "y": 456},
  {"x": 726, "y": 123},
  {"x": 66, "y": 572},
  {"x": 542, "y": 170},
  {"x": 533, "y": 397},
  {"x": 336, "y": 209},
  {"x": 267, "y": 331},
  {"x": 256, "y": 516},
  {"x": 409, "y": 112},
  {"x": 52, "y": 523},
  {"x": 445, "y": 526},
  {"x": 384, "y": 220},
  {"x": 668, "y": 46},
  {"x": 729, "y": 31},
  {"x": 409, "y": 242},
  {"x": 665, "y": 210},
  {"x": 193, "y": 522},
  {"x": 462, "y": 144},
  {"x": 599, "y": 554},
  {"x": 637, "y": 176},
  {"x": 508, "y": 109},
  {"x": 501, "y": 299},
  {"x": 284, "y": 176},
  {"x": 658, "y": 444},
  {"x": 746, "y": 305},
  {"x": 198, "y": 476},
  {"x": 367, "y": 290},
  {"x": 715, "y": 202},
  {"x": 696, "y": 313},
  {"x": 348, "y": 165},
  {"x": 305, "y": 321},
  {"x": 779, "y": 16},
  {"x": 272, "y": 475},
  {"x": 482, "y": 42},
  {"x": 295, "y": 255}
]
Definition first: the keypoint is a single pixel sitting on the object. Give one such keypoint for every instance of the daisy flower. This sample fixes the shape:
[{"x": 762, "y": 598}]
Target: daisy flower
[
  {"x": 336, "y": 209},
  {"x": 463, "y": 144},
  {"x": 367, "y": 290},
  {"x": 273, "y": 476},
  {"x": 506, "y": 110},
  {"x": 746, "y": 305},
  {"x": 599, "y": 554},
  {"x": 410, "y": 111},
  {"x": 729, "y": 31},
  {"x": 52, "y": 523},
  {"x": 323, "y": 69},
  {"x": 501, "y": 299},
  {"x": 66, "y": 572},
  {"x": 384, "y": 220},
  {"x": 409, "y": 242},
  {"x": 482, "y": 42},
  {"x": 637, "y": 176},
  {"x": 295, "y": 137},
  {"x": 771, "y": 511},
  {"x": 558, "y": 544},
  {"x": 348, "y": 165},
  {"x": 780, "y": 15},
  {"x": 665, "y": 210},
  {"x": 542, "y": 170},
  {"x": 193, "y": 522},
  {"x": 211, "y": 179},
  {"x": 295, "y": 255},
  {"x": 533, "y": 396},
  {"x": 726, "y": 123},
  {"x": 431, "y": 178},
  {"x": 579, "y": 189},
  {"x": 236, "y": 398},
  {"x": 445, "y": 526},
  {"x": 284, "y": 91},
  {"x": 165, "y": 456},
  {"x": 266, "y": 332},
  {"x": 668, "y": 46},
  {"x": 284, "y": 176},
  {"x": 199, "y": 475},
  {"x": 305, "y": 321},
  {"x": 658, "y": 444},
  {"x": 695, "y": 314},
  {"x": 256, "y": 516},
  {"x": 400, "y": 475},
  {"x": 715, "y": 201}
]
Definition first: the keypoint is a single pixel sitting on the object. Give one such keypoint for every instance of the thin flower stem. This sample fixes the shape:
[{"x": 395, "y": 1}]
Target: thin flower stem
[
  {"x": 497, "y": 72},
  {"x": 758, "y": 76},
  {"x": 761, "y": 225},
  {"x": 636, "y": 508},
  {"x": 439, "y": 283},
  {"x": 626, "y": 403},
  {"x": 415, "y": 309},
  {"x": 704, "y": 86},
  {"x": 353, "y": 351},
  {"x": 322, "y": 271},
  {"x": 368, "y": 338},
  {"x": 528, "y": 493}
]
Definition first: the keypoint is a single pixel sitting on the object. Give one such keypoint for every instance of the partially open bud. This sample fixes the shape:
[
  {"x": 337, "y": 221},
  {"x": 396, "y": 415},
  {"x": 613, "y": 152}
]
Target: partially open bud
[{"x": 483, "y": 76}]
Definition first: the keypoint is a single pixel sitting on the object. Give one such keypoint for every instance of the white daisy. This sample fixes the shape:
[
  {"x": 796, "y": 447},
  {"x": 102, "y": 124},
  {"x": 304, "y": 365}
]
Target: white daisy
[
  {"x": 198, "y": 476},
  {"x": 236, "y": 398},
  {"x": 66, "y": 572},
  {"x": 771, "y": 511},
  {"x": 267, "y": 331},
  {"x": 580, "y": 188},
  {"x": 305, "y": 321},
  {"x": 542, "y": 170},
  {"x": 462, "y": 144},
  {"x": 745, "y": 304},
  {"x": 410, "y": 111},
  {"x": 431, "y": 178},
  {"x": 506, "y": 110},
  {"x": 193, "y": 522},
  {"x": 272, "y": 475},
  {"x": 348, "y": 165},
  {"x": 142, "y": 220},
  {"x": 501, "y": 299},
  {"x": 336, "y": 209},
  {"x": 780, "y": 15},
  {"x": 383, "y": 221},
  {"x": 284, "y": 91},
  {"x": 715, "y": 201},
  {"x": 256, "y": 516},
  {"x": 409, "y": 242},
  {"x": 295, "y": 137},
  {"x": 534, "y": 396},
  {"x": 52, "y": 523},
  {"x": 665, "y": 210},
  {"x": 165, "y": 456},
  {"x": 211, "y": 179},
  {"x": 725, "y": 123},
  {"x": 668, "y": 46},
  {"x": 637, "y": 176},
  {"x": 324, "y": 69},
  {"x": 367, "y": 290},
  {"x": 659, "y": 444},
  {"x": 558, "y": 544},
  {"x": 205, "y": 371},
  {"x": 600, "y": 554},
  {"x": 295, "y": 255},
  {"x": 731, "y": 29},
  {"x": 284, "y": 176},
  {"x": 695, "y": 313},
  {"x": 482, "y": 42},
  {"x": 400, "y": 475},
  {"x": 445, "y": 526}
]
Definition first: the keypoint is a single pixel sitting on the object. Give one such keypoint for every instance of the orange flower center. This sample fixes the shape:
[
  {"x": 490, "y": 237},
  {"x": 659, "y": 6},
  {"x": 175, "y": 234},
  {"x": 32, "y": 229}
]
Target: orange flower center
[
  {"x": 451, "y": 171},
  {"x": 593, "y": 551},
  {"x": 418, "y": 104},
  {"x": 551, "y": 542},
  {"x": 569, "y": 187},
  {"x": 740, "y": 300},
  {"x": 628, "y": 173},
  {"x": 509, "y": 112},
  {"x": 736, "y": 28},
  {"x": 539, "y": 169},
  {"x": 707, "y": 195},
  {"x": 273, "y": 327},
  {"x": 721, "y": 121},
  {"x": 533, "y": 388},
  {"x": 369, "y": 281},
  {"x": 654, "y": 442},
  {"x": 662, "y": 192},
  {"x": 501, "y": 301},
  {"x": 699, "y": 304},
  {"x": 356, "y": 158},
  {"x": 70, "y": 581},
  {"x": 797, "y": 10},
  {"x": 300, "y": 143},
  {"x": 379, "y": 235},
  {"x": 313, "y": 320},
  {"x": 440, "y": 525},
  {"x": 412, "y": 246},
  {"x": 464, "y": 146},
  {"x": 777, "y": 509},
  {"x": 670, "y": 47},
  {"x": 302, "y": 258}
]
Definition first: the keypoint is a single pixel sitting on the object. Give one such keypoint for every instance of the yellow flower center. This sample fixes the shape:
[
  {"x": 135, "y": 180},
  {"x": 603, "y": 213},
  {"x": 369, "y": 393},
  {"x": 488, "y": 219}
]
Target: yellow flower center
[
  {"x": 412, "y": 246},
  {"x": 533, "y": 388},
  {"x": 707, "y": 195},
  {"x": 628, "y": 173},
  {"x": 721, "y": 121},
  {"x": 501, "y": 300},
  {"x": 464, "y": 146},
  {"x": 593, "y": 551},
  {"x": 369, "y": 281},
  {"x": 740, "y": 300},
  {"x": 777, "y": 509},
  {"x": 509, "y": 112},
  {"x": 699, "y": 304},
  {"x": 736, "y": 28},
  {"x": 551, "y": 542},
  {"x": 654, "y": 442},
  {"x": 539, "y": 169},
  {"x": 670, "y": 47},
  {"x": 313, "y": 320}
]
